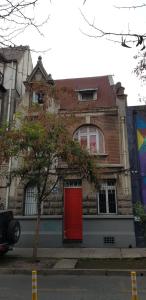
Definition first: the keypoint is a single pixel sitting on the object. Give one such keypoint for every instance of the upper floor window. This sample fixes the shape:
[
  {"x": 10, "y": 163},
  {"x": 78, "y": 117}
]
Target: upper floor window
[
  {"x": 87, "y": 95},
  {"x": 91, "y": 138},
  {"x": 38, "y": 97},
  {"x": 107, "y": 198}
]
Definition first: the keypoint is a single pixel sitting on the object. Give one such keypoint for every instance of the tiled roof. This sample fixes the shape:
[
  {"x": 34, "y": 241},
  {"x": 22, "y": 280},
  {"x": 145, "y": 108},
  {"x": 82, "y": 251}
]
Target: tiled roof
[
  {"x": 105, "y": 92},
  {"x": 12, "y": 53}
]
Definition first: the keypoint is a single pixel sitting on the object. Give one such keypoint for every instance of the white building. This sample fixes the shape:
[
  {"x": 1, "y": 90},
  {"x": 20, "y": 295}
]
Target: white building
[{"x": 15, "y": 66}]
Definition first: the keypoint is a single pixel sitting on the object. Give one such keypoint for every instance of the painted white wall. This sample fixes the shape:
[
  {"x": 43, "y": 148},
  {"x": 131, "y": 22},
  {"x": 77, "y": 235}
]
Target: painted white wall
[
  {"x": 1, "y": 67},
  {"x": 16, "y": 74},
  {"x": 24, "y": 69},
  {"x": 9, "y": 75}
]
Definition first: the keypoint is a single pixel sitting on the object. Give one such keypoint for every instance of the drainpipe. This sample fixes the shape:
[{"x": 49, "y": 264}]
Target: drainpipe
[
  {"x": 125, "y": 153},
  {"x": 8, "y": 122}
]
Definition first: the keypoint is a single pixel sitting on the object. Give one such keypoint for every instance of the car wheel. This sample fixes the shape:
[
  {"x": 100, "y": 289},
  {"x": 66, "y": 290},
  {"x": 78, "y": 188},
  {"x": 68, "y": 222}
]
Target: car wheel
[{"x": 13, "y": 233}]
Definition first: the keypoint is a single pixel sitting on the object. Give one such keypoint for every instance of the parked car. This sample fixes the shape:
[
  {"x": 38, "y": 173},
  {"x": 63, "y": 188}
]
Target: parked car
[{"x": 9, "y": 231}]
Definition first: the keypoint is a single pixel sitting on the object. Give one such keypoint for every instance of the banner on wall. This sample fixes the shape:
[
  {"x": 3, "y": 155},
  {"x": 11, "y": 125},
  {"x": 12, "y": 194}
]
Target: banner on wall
[{"x": 141, "y": 144}]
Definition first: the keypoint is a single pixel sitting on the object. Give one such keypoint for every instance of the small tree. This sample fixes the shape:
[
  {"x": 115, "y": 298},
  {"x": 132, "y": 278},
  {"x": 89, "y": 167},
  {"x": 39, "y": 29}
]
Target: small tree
[
  {"x": 140, "y": 212},
  {"x": 40, "y": 144}
]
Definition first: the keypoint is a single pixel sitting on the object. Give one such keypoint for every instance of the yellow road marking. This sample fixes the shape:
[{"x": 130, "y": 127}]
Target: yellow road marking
[
  {"x": 129, "y": 291},
  {"x": 62, "y": 290}
]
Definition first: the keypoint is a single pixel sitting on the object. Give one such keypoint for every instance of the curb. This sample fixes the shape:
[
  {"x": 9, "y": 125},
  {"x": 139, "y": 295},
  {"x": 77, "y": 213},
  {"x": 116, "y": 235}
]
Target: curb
[{"x": 100, "y": 272}]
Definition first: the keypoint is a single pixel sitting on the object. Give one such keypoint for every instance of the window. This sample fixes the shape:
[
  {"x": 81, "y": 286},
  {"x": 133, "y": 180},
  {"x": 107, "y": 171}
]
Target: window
[
  {"x": 107, "y": 198},
  {"x": 90, "y": 138},
  {"x": 38, "y": 97},
  {"x": 72, "y": 183},
  {"x": 87, "y": 95},
  {"x": 30, "y": 200}
]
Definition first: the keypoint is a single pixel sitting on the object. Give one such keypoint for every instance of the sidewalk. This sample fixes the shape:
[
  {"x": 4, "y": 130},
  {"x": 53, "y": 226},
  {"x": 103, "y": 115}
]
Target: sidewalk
[
  {"x": 54, "y": 261},
  {"x": 81, "y": 252}
]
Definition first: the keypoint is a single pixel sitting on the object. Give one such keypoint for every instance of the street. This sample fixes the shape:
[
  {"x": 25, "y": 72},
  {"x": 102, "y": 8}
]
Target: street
[{"x": 14, "y": 287}]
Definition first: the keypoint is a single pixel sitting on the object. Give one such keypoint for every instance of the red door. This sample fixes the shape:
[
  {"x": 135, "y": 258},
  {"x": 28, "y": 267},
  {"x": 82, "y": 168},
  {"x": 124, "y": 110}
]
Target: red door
[{"x": 73, "y": 213}]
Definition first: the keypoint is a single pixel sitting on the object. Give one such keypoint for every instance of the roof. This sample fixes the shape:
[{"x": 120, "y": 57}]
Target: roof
[
  {"x": 135, "y": 108},
  {"x": 105, "y": 92},
  {"x": 12, "y": 53},
  {"x": 81, "y": 83}
]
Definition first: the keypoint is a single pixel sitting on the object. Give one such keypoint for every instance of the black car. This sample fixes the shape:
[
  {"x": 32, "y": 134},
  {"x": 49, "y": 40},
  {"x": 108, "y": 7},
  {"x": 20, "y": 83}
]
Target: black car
[{"x": 9, "y": 231}]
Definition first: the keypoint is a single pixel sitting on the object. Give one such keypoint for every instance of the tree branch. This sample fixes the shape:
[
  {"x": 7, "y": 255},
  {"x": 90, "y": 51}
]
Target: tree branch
[
  {"x": 130, "y": 7},
  {"x": 135, "y": 38},
  {"x": 18, "y": 12}
]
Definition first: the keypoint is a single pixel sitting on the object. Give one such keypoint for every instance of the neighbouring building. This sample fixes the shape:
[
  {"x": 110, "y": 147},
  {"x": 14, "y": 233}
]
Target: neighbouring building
[
  {"x": 15, "y": 66},
  {"x": 136, "y": 125},
  {"x": 99, "y": 217}
]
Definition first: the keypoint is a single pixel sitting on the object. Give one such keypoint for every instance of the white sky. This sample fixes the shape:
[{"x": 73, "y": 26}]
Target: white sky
[{"x": 73, "y": 54}]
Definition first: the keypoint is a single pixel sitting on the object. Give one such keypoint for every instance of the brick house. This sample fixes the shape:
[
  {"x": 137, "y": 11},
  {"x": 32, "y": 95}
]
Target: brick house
[
  {"x": 136, "y": 125},
  {"x": 106, "y": 215}
]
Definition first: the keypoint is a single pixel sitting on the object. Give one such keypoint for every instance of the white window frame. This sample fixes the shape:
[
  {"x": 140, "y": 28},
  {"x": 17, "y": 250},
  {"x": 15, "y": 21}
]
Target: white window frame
[
  {"x": 88, "y": 134},
  {"x": 105, "y": 187}
]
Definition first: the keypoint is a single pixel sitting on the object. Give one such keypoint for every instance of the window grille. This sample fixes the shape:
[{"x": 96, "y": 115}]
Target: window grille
[{"x": 31, "y": 200}]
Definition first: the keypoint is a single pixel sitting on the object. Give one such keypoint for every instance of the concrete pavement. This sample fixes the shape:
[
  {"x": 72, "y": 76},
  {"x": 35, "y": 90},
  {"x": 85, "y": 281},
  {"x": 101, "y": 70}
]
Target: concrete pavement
[
  {"x": 81, "y": 252},
  {"x": 69, "y": 261}
]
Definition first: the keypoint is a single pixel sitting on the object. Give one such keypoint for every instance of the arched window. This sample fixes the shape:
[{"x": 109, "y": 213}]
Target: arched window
[
  {"x": 91, "y": 138},
  {"x": 30, "y": 204}
]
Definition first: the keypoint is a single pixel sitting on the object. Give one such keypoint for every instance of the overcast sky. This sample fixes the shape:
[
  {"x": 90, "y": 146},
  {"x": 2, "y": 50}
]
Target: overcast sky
[{"x": 72, "y": 54}]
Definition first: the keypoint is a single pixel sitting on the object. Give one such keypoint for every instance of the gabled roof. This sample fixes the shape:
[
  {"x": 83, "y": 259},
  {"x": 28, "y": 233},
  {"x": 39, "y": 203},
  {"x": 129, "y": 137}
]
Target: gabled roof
[
  {"x": 39, "y": 67},
  {"x": 12, "y": 53}
]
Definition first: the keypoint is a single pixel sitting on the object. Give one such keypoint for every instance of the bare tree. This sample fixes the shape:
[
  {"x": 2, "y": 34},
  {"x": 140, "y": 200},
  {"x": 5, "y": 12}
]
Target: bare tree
[
  {"x": 17, "y": 16},
  {"x": 127, "y": 39}
]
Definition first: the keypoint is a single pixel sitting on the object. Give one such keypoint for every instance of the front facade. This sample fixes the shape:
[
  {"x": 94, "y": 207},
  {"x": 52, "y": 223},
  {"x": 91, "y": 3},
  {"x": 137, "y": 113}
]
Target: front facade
[
  {"x": 76, "y": 212},
  {"x": 136, "y": 124}
]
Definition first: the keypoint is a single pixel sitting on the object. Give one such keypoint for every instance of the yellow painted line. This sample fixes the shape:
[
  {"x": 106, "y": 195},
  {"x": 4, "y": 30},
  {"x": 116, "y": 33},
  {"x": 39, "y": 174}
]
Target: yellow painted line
[
  {"x": 128, "y": 290},
  {"x": 62, "y": 290}
]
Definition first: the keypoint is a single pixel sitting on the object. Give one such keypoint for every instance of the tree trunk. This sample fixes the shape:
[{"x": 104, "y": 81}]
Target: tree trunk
[{"x": 37, "y": 232}]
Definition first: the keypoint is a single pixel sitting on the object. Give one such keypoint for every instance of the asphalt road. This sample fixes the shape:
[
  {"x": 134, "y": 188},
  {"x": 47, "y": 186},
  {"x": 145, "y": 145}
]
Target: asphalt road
[{"x": 57, "y": 287}]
